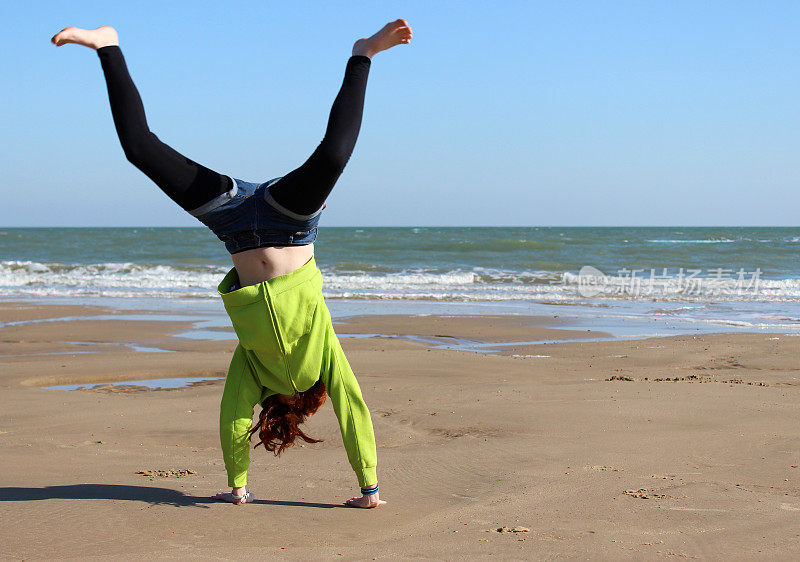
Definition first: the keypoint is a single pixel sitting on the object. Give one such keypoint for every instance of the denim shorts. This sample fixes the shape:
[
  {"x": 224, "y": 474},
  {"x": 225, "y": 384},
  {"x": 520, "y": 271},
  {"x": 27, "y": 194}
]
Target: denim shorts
[{"x": 247, "y": 217}]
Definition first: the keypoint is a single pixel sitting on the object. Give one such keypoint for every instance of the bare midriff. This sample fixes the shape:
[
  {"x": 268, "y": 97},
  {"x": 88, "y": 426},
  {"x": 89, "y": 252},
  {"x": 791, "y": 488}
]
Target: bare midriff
[{"x": 260, "y": 264}]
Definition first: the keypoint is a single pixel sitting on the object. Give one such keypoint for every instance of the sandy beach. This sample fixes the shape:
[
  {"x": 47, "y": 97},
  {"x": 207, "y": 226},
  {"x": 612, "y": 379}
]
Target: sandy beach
[{"x": 579, "y": 449}]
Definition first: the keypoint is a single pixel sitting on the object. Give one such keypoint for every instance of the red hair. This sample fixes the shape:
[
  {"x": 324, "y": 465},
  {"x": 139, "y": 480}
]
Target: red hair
[{"x": 280, "y": 418}]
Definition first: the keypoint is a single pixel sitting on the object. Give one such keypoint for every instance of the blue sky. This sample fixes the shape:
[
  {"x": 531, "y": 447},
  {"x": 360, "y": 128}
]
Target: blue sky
[{"x": 506, "y": 113}]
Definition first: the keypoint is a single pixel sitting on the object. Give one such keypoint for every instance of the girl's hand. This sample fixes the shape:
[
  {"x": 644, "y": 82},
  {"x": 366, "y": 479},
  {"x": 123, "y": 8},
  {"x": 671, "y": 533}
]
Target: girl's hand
[{"x": 365, "y": 502}]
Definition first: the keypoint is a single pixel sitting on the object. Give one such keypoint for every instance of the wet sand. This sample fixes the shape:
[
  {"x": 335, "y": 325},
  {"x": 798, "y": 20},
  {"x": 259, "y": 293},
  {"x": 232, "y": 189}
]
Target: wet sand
[{"x": 684, "y": 446}]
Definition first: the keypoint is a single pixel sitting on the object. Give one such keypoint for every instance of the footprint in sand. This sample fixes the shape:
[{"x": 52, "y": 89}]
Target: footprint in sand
[
  {"x": 171, "y": 473},
  {"x": 644, "y": 494}
]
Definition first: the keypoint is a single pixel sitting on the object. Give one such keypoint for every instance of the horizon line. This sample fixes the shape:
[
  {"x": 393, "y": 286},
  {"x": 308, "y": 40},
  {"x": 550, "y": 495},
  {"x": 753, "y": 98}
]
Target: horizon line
[{"x": 441, "y": 226}]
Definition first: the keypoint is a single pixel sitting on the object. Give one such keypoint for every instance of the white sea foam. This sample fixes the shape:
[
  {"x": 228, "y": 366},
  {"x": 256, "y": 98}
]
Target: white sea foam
[
  {"x": 719, "y": 241},
  {"x": 122, "y": 280},
  {"x": 105, "y": 279}
]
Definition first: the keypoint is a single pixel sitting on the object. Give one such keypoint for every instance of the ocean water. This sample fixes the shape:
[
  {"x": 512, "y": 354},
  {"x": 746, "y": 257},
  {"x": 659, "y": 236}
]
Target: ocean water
[{"x": 716, "y": 276}]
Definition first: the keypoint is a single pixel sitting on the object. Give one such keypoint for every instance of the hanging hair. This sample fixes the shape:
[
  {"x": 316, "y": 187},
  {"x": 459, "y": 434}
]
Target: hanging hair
[{"x": 280, "y": 418}]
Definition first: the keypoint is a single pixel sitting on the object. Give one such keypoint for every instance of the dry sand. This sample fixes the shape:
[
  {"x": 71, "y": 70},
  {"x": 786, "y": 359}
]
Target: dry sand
[{"x": 690, "y": 450}]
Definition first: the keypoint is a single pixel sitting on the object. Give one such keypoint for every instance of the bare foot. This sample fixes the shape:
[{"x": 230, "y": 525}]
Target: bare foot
[
  {"x": 365, "y": 502},
  {"x": 395, "y": 32},
  {"x": 94, "y": 38},
  {"x": 237, "y": 496}
]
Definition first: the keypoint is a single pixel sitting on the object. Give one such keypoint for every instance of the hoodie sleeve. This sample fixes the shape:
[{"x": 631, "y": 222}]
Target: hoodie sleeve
[{"x": 351, "y": 411}]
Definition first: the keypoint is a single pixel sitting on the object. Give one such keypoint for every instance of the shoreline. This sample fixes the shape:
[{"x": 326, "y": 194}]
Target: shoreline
[{"x": 621, "y": 319}]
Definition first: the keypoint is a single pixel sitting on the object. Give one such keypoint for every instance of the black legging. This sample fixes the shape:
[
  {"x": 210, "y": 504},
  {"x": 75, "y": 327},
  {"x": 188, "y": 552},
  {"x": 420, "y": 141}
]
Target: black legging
[{"x": 191, "y": 185}]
